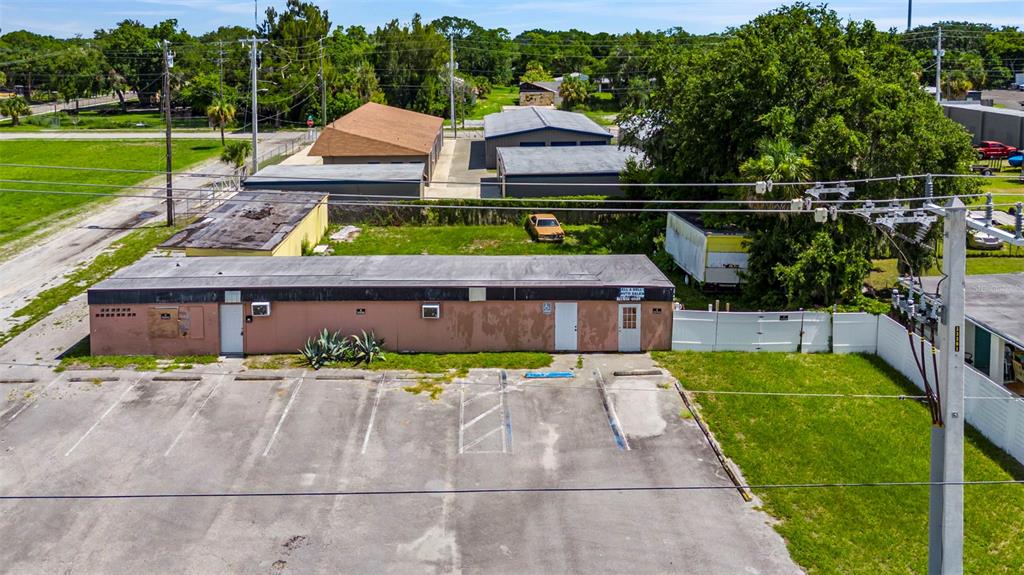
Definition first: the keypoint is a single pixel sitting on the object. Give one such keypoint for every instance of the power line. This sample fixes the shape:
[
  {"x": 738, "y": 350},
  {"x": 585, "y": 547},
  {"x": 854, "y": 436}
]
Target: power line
[{"x": 501, "y": 490}]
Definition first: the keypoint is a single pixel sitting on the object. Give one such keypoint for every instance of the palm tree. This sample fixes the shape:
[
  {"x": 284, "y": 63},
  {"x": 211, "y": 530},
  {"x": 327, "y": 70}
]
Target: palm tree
[
  {"x": 220, "y": 114},
  {"x": 15, "y": 107},
  {"x": 778, "y": 160},
  {"x": 573, "y": 92},
  {"x": 235, "y": 152}
]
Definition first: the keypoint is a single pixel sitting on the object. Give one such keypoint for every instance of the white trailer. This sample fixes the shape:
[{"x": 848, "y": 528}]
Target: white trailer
[{"x": 710, "y": 257}]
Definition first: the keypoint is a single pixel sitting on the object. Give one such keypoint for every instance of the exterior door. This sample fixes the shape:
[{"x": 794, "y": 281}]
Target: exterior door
[
  {"x": 629, "y": 327},
  {"x": 565, "y": 326},
  {"x": 983, "y": 352},
  {"x": 231, "y": 329}
]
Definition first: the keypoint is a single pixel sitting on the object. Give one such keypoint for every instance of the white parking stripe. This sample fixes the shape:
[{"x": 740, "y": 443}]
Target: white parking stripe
[
  {"x": 284, "y": 414},
  {"x": 102, "y": 417},
  {"x": 194, "y": 414},
  {"x": 373, "y": 412},
  {"x": 35, "y": 397}
]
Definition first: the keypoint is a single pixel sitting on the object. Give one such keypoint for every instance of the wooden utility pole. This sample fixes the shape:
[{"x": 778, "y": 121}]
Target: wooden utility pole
[
  {"x": 451, "y": 82},
  {"x": 323, "y": 88},
  {"x": 167, "y": 134}
]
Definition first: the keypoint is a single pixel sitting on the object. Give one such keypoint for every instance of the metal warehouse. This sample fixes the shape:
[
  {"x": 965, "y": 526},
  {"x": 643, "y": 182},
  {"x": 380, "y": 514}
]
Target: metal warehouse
[
  {"x": 366, "y": 180},
  {"x": 235, "y": 305},
  {"x": 584, "y": 170},
  {"x": 256, "y": 224},
  {"x": 539, "y": 127},
  {"x": 988, "y": 123}
]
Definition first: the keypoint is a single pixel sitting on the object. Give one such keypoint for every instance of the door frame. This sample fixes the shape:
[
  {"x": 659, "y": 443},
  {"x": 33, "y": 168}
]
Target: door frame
[{"x": 626, "y": 346}]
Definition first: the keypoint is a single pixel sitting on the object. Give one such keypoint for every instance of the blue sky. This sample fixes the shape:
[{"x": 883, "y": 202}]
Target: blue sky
[{"x": 66, "y": 18}]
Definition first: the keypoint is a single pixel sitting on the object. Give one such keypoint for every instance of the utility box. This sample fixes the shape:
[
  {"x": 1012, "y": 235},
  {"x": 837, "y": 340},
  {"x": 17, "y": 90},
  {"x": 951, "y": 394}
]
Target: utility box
[{"x": 712, "y": 257}]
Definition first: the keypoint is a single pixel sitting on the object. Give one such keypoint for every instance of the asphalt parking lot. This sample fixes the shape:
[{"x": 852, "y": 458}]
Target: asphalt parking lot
[{"x": 350, "y": 472}]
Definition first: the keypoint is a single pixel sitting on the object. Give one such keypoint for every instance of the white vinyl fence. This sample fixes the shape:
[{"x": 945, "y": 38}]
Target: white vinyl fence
[{"x": 995, "y": 411}]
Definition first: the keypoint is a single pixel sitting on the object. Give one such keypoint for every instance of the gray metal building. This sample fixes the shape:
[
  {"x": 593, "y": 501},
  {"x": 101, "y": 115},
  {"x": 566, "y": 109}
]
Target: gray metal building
[
  {"x": 539, "y": 127},
  {"x": 988, "y": 123},
  {"x": 365, "y": 180},
  {"x": 575, "y": 171}
]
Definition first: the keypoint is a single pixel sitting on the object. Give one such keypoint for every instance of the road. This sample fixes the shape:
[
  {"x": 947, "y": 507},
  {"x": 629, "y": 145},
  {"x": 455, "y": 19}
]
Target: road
[
  {"x": 136, "y": 135},
  {"x": 57, "y": 250},
  {"x": 84, "y": 103}
]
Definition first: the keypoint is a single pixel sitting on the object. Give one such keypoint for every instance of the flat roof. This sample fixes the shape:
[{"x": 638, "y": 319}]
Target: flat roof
[
  {"x": 986, "y": 109},
  {"x": 532, "y": 118},
  {"x": 993, "y": 302},
  {"x": 563, "y": 160},
  {"x": 583, "y": 271},
  {"x": 248, "y": 221},
  {"x": 378, "y": 130},
  {"x": 335, "y": 173}
]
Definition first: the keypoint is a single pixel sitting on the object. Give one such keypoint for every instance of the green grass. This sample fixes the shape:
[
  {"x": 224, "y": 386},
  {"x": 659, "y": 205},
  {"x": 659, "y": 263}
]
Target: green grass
[
  {"x": 499, "y": 96},
  {"x": 136, "y": 362},
  {"x": 22, "y": 213},
  {"x": 442, "y": 362},
  {"x": 784, "y": 440},
  {"x": 1006, "y": 188},
  {"x": 421, "y": 362},
  {"x": 469, "y": 240},
  {"x": 121, "y": 253}
]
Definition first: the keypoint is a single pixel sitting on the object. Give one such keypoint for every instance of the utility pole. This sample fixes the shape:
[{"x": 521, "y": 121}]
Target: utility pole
[
  {"x": 910, "y": 9},
  {"x": 220, "y": 65},
  {"x": 939, "y": 52},
  {"x": 167, "y": 136},
  {"x": 451, "y": 82},
  {"x": 255, "y": 113},
  {"x": 323, "y": 88},
  {"x": 946, "y": 496}
]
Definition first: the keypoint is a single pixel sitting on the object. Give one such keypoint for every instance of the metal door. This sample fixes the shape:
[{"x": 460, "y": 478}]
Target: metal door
[
  {"x": 629, "y": 327},
  {"x": 231, "y": 329},
  {"x": 983, "y": 352},
  {"x": 565, "y": 326}
]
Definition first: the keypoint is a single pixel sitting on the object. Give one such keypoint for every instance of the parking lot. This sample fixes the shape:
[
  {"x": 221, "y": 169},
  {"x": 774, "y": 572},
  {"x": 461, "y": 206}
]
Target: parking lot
[{"x": 350, "y": 472}]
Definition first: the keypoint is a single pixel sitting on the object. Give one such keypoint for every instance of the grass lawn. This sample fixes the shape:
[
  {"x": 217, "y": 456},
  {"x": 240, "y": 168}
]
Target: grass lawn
[
  {"x": 1006, "y": 188},
  {"x": 79, "y": 358},
  {"x": 92, "y": 120},
  {"x": 422, "y": 362},
  {"x": 499, "y": 96},
  {"x": 121, "y": 253},
  {"x": 23, "y": 213},
  {"x": 469, "y": 240},
  {"x": 784, "y": 440}
]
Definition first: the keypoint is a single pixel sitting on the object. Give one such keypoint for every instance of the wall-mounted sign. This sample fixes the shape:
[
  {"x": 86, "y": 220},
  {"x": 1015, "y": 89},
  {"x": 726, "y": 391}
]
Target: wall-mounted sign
[
  {"x": 631, "y": 294},
  {"x": 547, "y": 308}
]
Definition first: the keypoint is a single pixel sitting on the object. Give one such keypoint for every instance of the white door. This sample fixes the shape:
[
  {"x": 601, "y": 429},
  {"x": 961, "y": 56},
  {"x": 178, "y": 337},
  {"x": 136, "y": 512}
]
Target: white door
[
  {"x": 231, "y": 329},
  {"x": 629, "y": 327},
  {"x": 565, "y": 326}
]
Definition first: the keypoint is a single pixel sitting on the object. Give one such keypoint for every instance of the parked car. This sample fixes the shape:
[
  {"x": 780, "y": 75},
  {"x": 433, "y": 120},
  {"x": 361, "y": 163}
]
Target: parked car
[
  {"x": 990, "y": 149},
  {"x": 544, "y": 228},
  {"x": 982, "y": 241},
  {"x": 1016, "y": 160}
]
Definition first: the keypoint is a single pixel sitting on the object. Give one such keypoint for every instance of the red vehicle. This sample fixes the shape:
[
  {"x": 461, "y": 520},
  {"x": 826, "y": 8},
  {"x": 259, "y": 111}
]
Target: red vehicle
[{"x": 989, "y": 150}]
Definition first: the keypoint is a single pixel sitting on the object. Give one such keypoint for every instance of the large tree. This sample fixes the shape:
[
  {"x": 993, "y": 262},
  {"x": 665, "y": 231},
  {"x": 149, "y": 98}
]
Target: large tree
[
  {"x": 411, "y": 61},
  {"x": 842, "y": 96}
]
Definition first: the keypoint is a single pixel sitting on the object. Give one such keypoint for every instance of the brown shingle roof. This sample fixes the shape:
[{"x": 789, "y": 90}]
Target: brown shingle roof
[{"x": 378, "y": 130}]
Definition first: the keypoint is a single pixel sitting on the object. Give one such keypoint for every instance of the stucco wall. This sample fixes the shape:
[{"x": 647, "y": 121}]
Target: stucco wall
[
  {"x": 462, "y": 327},
  {"x": 190, "y": 329},
  {"x": 536, "y": 98},
  {"x": 310, "y": 230},
  {"x": 547, "y": 136}
]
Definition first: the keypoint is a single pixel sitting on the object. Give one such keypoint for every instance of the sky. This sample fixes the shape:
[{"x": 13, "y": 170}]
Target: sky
[{"x": 67, "y": 18}]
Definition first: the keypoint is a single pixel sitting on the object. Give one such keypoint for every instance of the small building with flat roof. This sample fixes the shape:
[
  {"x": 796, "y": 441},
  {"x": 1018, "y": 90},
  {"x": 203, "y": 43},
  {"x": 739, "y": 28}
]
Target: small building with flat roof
[
  {"x": 994, "y": 331},
  {"x": 574, "y": 171},
  {"x": 256, "y": 224},
  {"x": 539, "y": 127},
  {"x": 378, "y": 134},
  {"x": 369, "y": 181},
  {"x": 420, "y": 303}
]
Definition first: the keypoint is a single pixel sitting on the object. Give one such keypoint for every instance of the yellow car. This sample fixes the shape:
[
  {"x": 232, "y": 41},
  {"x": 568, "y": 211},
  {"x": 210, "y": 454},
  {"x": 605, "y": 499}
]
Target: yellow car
[{"x": 544, "y": 228}]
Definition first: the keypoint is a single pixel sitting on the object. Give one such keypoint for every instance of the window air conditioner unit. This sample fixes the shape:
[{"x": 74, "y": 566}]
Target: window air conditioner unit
[{"x": 261, "y": 308}]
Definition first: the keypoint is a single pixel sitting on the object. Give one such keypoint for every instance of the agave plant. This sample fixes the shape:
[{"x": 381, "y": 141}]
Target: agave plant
[
  {"x": 367, "y": 349},
  {"x": 325, "y": 348}
]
